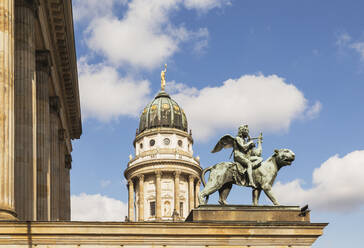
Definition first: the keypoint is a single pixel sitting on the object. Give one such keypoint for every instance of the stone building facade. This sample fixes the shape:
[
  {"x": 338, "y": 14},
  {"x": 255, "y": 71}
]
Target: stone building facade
[
  {"x": 39, "y": 108},
  {"x": 164, "y": 176}
]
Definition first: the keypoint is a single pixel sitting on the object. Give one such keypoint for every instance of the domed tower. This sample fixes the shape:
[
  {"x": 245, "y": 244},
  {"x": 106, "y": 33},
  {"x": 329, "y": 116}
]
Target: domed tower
[{"x": 163, "y": 177}]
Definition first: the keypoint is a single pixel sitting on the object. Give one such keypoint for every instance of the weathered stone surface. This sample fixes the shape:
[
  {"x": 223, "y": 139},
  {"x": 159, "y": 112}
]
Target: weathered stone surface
[
  {"x": 43, "y": 134},
  {"x": 238, "y": 213},
  {"x": 152, "y": 234},
  {"x": 7, "y": 208},
  {"x": 25, "y": 111}
]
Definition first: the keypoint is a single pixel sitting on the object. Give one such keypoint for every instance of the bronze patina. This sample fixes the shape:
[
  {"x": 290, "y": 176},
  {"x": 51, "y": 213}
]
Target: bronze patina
[{"x": 247, "y": 169}]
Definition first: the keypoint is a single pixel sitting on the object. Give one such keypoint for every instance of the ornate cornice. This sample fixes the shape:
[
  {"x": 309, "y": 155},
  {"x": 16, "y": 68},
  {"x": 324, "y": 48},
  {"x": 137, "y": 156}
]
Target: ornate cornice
[
  {"x": 147, "y": 167},
  {"x": 60, "y": 23}
]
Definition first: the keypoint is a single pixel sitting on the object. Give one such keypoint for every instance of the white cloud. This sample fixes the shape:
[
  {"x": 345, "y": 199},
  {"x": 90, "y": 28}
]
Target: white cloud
[
  {"x": 264, "y": 102},
  {"x": 205, "y": 4},
  {"x": 97, "y": 207},
  {"x": 106, "y": 95},
  {"x": 87, "y": 10},
  {"x": 337, "y": 185},
  {"x": 359, "y": 48},
  {"x": 105, "y": 183},
  {"x": 343, "y": 39},
  {"x": 314, "y": 110},
  {"x": 144, "y": 36}
]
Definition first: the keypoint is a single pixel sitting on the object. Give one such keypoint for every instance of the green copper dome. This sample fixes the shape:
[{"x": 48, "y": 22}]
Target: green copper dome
[{"x": 163, "y": 111}]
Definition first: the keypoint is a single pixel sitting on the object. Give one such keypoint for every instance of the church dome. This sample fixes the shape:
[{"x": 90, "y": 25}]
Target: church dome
[{"x": 163, "y": 111}]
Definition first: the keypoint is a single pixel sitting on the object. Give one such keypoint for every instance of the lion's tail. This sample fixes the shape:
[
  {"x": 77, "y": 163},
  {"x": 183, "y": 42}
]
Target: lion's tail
[{"x": 203, "y": 175}]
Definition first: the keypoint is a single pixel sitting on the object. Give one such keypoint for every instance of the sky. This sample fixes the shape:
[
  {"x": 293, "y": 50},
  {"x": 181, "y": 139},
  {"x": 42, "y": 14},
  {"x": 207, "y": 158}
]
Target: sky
[{"x": 293, "y": 70}]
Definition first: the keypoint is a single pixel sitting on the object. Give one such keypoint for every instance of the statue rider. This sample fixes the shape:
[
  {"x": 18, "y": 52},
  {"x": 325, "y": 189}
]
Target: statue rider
[{"x": 244, "y": 154}]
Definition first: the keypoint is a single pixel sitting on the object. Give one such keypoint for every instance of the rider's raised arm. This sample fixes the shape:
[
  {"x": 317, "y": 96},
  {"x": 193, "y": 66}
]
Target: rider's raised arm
[{"x": 240, "y": 142}]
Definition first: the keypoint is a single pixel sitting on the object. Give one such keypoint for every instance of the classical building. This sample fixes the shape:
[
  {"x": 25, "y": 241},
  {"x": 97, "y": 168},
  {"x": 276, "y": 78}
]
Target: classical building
[
  {"x": 39, "y": 108},
  {"x": 164, "y": 176},
  {"x": 40, "y": 115}
]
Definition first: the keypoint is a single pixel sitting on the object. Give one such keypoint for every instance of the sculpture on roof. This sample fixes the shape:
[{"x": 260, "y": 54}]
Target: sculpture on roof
[
  {"x": 163, "y": 77},
  {"x": 247, "y": 169}
]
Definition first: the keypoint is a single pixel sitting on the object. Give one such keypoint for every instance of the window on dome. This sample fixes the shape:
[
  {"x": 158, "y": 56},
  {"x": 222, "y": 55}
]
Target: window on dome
[
  {"x": 141, "y": 145},
  {"x": 166, "y": 141},
  {"x": 152, "y": 142},
  {"x": 180, "y": 143}
]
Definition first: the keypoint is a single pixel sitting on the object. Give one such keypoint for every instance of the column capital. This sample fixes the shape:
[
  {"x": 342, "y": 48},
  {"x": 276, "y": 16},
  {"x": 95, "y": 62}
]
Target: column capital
[
  {"x": 130, "y": 181},
  {"x": 158, "y": 173},
  {"x": 43, "y": 61},
  {"x": 141, "y": 177},
  {"x": 68, "y": 161},
  {"x": 54, "y": 104},
  {"x": 177, "y": 173},
  {"x": 31, "y": 4},
  {"x": 191, "y": 178}
]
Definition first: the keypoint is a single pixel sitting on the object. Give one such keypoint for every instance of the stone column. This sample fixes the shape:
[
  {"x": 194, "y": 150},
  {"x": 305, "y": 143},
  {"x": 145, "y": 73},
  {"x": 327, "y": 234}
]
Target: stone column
[
  {"x": 131, "y": 200},
  {"x": 141, "y": 198},
  {"x": 68, "y": 162},
  {"x": 54, "y": 107},
  {"x": 158, "y": 197},
  {"x": 25, "y": 110},
  {"x": 7, "y": 208},
  {"x": 191, "y": 197},
  {"x": 43, "y": 140},
  {"x": 197, "y": 191},
  {"x": 62, "y": 175},
  {"x": 176, "y": 191}
]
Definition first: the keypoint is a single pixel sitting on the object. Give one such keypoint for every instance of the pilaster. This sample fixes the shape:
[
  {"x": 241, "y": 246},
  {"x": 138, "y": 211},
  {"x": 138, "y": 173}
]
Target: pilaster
[
  {"x": 68, "y": 163},
  {"x": 7, "y": 208},
  {"x": 131, "y": 200},
  {"x": 158, "y": 175},
  {"x": 176, "y": 192},
  {"x": 62, "y": 175},
  {"x": 141, "y": 198},
  {"x": 197, "y": 191},
  {"x": 25, "y": 110},
  {"x": 191, "y": 197},
  {"x": 43, "y": 64},
  {"x": 54, "y": 107}
]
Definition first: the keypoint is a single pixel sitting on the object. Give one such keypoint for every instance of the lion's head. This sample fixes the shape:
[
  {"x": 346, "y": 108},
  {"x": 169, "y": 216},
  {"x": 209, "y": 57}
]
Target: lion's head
[{"x": 284, "y": 157}]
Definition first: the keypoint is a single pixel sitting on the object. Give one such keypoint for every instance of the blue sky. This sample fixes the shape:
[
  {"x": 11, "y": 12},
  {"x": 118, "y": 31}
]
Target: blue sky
[{"x": 291, "y": 69}]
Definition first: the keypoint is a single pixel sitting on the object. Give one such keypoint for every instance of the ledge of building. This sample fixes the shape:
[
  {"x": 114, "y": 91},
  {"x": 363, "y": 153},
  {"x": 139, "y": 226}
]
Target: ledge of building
[{"x": 154, "y": 234}]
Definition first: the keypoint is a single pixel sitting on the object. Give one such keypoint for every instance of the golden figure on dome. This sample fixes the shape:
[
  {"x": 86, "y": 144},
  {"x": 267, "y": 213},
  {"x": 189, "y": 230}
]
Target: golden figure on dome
[{"x": 163, "y": 77}]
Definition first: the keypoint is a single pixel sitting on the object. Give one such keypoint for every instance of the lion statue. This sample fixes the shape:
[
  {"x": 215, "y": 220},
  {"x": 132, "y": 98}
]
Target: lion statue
[{"x": 223, "y": 175}]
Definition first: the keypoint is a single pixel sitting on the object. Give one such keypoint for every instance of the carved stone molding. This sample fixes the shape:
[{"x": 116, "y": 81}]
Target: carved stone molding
[
  {"x": 31, "y": 4},
  {"x": 177, "y": 173},
  {"x": 158, "y": 173},
  {"x": 141, "y": 177},
  {"x": 60, "y": 22}
]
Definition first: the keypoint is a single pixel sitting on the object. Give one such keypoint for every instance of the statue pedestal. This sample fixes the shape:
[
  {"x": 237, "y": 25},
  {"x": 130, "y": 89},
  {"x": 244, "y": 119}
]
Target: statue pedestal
[{"x": 248, "y": 213}]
